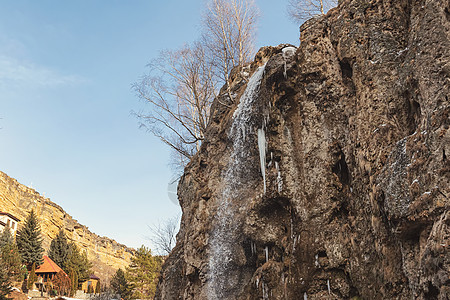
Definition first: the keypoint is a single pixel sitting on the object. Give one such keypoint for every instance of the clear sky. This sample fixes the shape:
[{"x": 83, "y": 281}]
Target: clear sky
[{"x": 66, "y": 127}]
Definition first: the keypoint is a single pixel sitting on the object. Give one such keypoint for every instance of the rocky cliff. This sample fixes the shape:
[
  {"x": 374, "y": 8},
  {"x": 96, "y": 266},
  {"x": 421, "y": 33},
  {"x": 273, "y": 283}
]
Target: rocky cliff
[
  {"x": 106, "y": 254},
  {"x": 328, "y": 178}
]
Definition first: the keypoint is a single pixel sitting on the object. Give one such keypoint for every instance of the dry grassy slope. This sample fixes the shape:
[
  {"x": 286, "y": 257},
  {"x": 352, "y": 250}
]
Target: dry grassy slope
[{"x": 106, "y": 254}]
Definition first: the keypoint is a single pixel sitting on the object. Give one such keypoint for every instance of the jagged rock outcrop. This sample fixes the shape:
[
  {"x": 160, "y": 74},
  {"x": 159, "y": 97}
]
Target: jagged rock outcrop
[
  {"x": 329, "y": 177},
  {"x": 106, "y": 254}
]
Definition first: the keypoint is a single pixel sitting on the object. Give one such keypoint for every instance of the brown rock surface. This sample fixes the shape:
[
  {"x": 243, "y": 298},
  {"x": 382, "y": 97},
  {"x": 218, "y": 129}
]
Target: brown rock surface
[
  {"x": 356, "y": 170},
  {"x": 106, "y": 254}
]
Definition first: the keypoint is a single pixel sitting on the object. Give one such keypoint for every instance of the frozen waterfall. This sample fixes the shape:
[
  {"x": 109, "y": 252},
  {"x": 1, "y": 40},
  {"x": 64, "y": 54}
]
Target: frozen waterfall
[{"x": 223, "y": 237}]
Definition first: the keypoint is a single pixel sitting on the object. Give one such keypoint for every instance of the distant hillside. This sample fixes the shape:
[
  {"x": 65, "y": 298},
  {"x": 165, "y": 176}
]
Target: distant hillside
[{"x": 106, "y": 254}]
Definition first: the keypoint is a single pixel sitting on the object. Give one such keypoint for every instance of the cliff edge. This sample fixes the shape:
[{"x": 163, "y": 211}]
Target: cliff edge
[{"x": 329, "y": 176}]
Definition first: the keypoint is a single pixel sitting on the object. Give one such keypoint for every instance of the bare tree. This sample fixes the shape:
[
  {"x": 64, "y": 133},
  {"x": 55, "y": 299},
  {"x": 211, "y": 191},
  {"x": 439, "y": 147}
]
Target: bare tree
[
  {"x": 301, "y": 10},
  {"x": 229, "y": 30},
  {"x": 163, "y": 235},
  {"x": 180, "y": 89},
  {"x": 182, "y": 84}
]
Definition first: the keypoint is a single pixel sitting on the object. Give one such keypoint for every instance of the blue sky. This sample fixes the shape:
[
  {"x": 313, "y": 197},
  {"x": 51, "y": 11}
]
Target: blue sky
[{"x": 66, "y": 68}]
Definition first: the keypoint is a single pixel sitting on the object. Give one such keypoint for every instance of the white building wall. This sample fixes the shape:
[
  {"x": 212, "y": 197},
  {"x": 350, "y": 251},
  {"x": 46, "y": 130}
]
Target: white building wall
[{"x": 9, "y": 222}]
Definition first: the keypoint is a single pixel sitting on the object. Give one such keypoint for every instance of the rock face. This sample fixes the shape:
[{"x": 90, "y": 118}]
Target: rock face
[
  {"x": 329, "y": 176},
  {"x": 106, "y": 254}
]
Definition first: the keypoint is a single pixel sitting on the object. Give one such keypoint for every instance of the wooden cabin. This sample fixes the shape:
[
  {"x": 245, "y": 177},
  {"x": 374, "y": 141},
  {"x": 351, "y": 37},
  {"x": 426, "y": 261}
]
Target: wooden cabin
[
  {"x": 47, "y": 270},
  {"x": 93, "y": 282}
]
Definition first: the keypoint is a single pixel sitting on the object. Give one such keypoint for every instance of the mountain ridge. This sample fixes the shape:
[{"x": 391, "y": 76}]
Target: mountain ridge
[{"x": 106, "y": 254}]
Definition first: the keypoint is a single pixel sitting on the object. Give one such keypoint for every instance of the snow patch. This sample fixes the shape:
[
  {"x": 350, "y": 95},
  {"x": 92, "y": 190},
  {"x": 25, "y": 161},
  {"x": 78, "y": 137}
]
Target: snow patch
[{"x": 288, "y": 53}]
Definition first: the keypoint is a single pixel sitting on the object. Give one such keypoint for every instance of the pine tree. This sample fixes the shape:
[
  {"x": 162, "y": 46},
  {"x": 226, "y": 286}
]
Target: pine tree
[
  {"x": 79, "y": 263},
  {"x": 5, "y": 283},
  {"x": 120, "y": 285},
  {"x": 59, "y": 250},
  {"x": 10, "y": 259},
  {"x": 6, "y": 237},
  {"x": 73, "y": 282},
  {"x": 143, "y": 273},
  {"x": 29, "y": 241},
  {"x": 32, "y": 278}
]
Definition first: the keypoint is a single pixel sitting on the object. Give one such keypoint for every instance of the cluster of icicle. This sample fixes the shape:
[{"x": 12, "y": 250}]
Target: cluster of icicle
[{"x": 222, "y": 237}]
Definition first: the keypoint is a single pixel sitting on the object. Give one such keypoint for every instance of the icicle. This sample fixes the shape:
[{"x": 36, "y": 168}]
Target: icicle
[
  {"x": 305, "y": 297},
  {"x": 316, "y": 263},
  {"x": 257, "y": 282},
  {"x": 266, "y": 250},
  {"x": 328, "y": 285},
  {"x": 279, "y": 179},
  {"x": 265, "y": 295},
  {"x": 262, "y": 154},
  {"x": 292, "y": 229},
  {"x": 253, "y": 247}
]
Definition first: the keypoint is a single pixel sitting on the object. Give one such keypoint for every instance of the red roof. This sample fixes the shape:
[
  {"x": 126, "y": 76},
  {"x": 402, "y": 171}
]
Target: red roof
[{"x": 49, "y": 266}]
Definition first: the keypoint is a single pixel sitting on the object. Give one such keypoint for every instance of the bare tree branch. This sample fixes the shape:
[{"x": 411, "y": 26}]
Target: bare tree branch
[
  {"x": 180, "y": 91},
  {"x": 163, "y": 235},
  {"x": 229, "y": 33},
  {"x": 302, "y": 10},
  {"x": 182, "y": 84}
]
